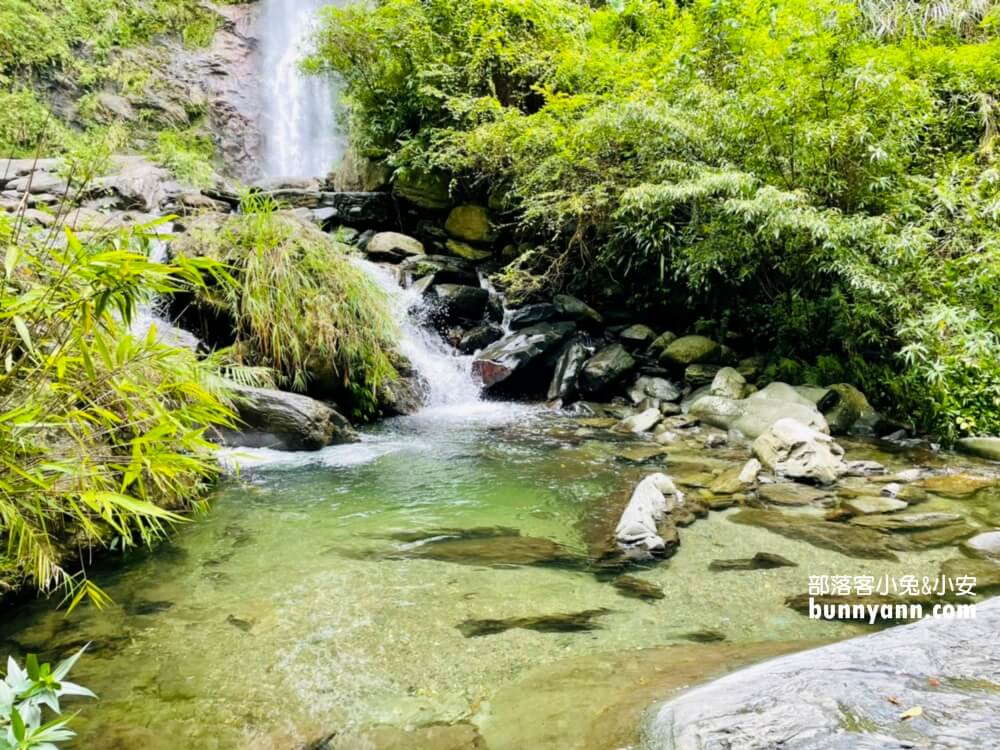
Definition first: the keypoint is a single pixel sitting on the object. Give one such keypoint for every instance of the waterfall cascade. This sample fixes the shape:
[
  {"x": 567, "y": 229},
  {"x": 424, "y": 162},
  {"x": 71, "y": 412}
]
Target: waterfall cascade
[{"x": 299, "y": 123}]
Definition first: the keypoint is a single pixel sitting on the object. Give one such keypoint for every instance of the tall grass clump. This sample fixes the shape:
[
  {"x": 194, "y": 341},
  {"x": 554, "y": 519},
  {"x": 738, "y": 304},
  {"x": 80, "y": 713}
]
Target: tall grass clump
[{"x": 299, "y": 305}]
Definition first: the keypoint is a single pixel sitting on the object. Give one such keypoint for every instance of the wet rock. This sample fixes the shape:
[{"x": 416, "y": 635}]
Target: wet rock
[
  {"x": 239, "y": 623},
  {"x": 650, "y": 387},
  {"x": 598, "y": 422},
  {"x": 791, "y": 493},
  {"x": 790, "y": 449},
  {"x": 286, "y": 421},
  {"x": 852, "y": 541},
  {"x": 517, "y": 362},
  {"x": 728, "y": 482},
  {"x": 701, "y": 374},
  {"x": 467, "y": 251},
  {"x": 450, "y": 532},
  {"x": 637, "y": 588},
  {"x": 569, "y": 622},
  {"x": 718, "y": 440},
  {"x": 443, "y": 269},
  {"x": 863, "y": 468},
  {"x": 836, "y": 696},
  {"x": 728, "y": 383},
  {"x": 985, "y": 571},
  {"x": 470, "y": 223},
  {"x": 957, "y": 485},
  {"x": 529, "y": 315},
  {"x": 986, "y": 545},
  {"x": 750, "y": 471},
  {"x": 942, "y": 536},
  {"x": 457, "y": 736},
  {"x": 497, "y": 551},
  {"x": 604, "y": 370},
  {"x": 405, "y": 394},
  {"x": 689, "y": 350},
  {"x": 641, "y": 422},
  {"x": 479, "y": 337},
  {"x": 570, "y": 308},
  {"x": 637, "y": 336},
  {"x": 983, "y": 447},
  {"x": 760, "y": 561},
  {"x": 868, "y": 505},
  {"x": 452, "y": 303},
  {"x": 907, "y": 521},
  {"x": 705, "y": 635},
  {"x": 847, "y": 411},
  {"x": 640, "y": 454},
  {"x": 392, "y": 247},
  {"x": 653, "y": 498}
]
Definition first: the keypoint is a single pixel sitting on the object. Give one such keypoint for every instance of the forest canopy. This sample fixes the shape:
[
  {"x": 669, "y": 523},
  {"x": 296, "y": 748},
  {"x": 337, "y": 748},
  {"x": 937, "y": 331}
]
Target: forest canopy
[{"x": 816, "y": 178}]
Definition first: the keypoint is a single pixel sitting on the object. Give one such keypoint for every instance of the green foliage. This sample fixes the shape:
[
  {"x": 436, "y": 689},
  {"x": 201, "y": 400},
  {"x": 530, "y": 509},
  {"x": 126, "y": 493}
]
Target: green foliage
[
  {"x": 102, "y": 429},
  {"x": 819, "y": 173},
  {"x": 300, "y": 306},
  {"x": 25, "y": 692},
  {"x": 187, "y": 154}
]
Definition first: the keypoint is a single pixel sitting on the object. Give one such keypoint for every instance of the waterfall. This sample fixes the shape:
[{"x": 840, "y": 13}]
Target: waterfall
[
  {"x": 299, "y": 123},
  {"x": 448, "y": 374}
]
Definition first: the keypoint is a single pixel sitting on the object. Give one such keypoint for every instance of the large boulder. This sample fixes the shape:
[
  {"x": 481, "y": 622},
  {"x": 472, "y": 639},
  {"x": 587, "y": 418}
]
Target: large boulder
[
  {"x": 790, "y": 449},
  {"x": 847, "y": 411},
  {"x": 479, "y": 337},
  {"x": 753, "y": 416},
  {"x": 443, "y": 269},
  {"x": 605, "y": 369},
  {"x": 470, "y": 223},
  {"x": 652, "y": 500},
  {"x": 285, "y": 421},
  {"x": 428, "y": 190},
  {"x": 569, "y": 307},
  {"x": 467, "y": 251},
  {"x": 530, "y": 315},
  {"x": 359, "y": 173},
  {"x": 519, "y": 362},
  {"x": 567, "y": 370},
  {"x": 728, "y": 383},
  {"x": 983, "y": 447},
  {"x": 392, "y": 247},
  {"x": 637, "y": 336},
  {"x": 836, "y": 696},
  {"x": 689, "y": 350},
  {"x": 365, "y": 210},
  {"x": 660, "y": 389}
]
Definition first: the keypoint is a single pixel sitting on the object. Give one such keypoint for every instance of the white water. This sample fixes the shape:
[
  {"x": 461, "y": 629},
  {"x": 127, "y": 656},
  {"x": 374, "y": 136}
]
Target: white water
[{"x": 299, "y": 124}]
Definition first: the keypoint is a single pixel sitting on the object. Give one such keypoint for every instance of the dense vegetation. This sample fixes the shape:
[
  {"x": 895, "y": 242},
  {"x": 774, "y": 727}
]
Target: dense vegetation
[
  {"x": 102, "y": 426},
  {"x": 60, "y": 58},
  {"x": 817, "y": 177},
  {"x": 300, "y": 307}
]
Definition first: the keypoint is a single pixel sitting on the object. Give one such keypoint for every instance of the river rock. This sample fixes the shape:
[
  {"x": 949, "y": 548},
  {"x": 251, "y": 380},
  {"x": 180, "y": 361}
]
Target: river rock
[
  {"x": 870, "y": 504},
  {"x": 517, "y": 361},
  {"x": 428, "y": 190},
  {"x": 392, "y": 247},
  {"x": 453, "y": 303},
  {"x": 701, "y": 374},
  {"x": 760, "y": 561},
  {"x": 604, "y": 370},
  {"x": 364, "y": 210},
  {"x": 907, "y": 521},
  {"x": 661, "y": 342},
  {"x": 790, "y": 449},
  {"x": 985, "y": 571},
  {"x": 650, "y": 387},
  {"x": 836, "y": 696},
  {"x": 570, "y": 308},
  {"x": 637, "y": 588},
  {"x": 653, "y": 498},
  {"x": 728, "y": 383},
  {"x": 790, "y": 493},
  {"x": 529, "y": 315},
  {"x": 637, "y": 336},
  {"x": 470, "y": 223},
  {"x": 467, "y": 251},
  {"x": 852, "y": 541},
  {"x": 286, "y": 421},
  {"x": 443, "y": 269},
  {"x": 986, "y": 544},
  {"x": 847, "y": 411},
  {"x": 479, "y": 337},
  {"x": 568, "y": 366},
  {"x": 957, "y": 485},
  {"x": 752, "y": 416},
  {"x": 983, "y": 447},
  {"x": 644, "y": 421},
  {"x": 568, "y": 622},
  {"x": 689, "y": 350}
]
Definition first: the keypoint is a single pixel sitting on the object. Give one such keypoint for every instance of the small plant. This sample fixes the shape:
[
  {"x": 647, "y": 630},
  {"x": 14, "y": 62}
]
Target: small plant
[{"x": 24, "y": 693}]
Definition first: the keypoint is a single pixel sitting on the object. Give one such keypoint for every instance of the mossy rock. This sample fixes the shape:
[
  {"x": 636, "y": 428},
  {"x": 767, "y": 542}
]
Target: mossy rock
[
  {"x": 423, "y": 189},
  {"x": 470, "y": 223},
  {"x": 467, "y": 251},
  {"x": 689, "y": 350}
]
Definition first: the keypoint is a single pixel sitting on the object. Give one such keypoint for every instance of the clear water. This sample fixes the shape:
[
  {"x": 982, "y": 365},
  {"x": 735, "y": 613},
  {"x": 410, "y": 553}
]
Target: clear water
[
  {"x": 291, "y": 611},
  {"x": 299, "y": 118}
]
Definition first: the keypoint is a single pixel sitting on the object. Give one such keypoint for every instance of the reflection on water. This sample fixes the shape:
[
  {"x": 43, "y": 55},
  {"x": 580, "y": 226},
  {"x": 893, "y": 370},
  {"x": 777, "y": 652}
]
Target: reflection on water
[{"x": 305, "y": 604}]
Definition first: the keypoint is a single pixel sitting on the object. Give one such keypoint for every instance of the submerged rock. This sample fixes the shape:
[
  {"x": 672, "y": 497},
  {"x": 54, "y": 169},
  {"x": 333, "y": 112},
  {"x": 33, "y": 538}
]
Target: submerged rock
[
  {"x": 569, "y": 622},
  {"x": 846, "y": 539},
  {"x": 791, "y": 493},
  {"x": 957, "y": 485},
  {"x": 760, "y": 561},
  {"x": 705, "y": 635},
  {"x": 836, "y": 696},
  {"x": 986, "y": 544},
  {"x": 907, "y": 521},
  {"x": 869, "y": 504},
  {"x": 286, "y": 421},
  {"x": 790, "y": 449},
  {"x": 637, "y": 588}
]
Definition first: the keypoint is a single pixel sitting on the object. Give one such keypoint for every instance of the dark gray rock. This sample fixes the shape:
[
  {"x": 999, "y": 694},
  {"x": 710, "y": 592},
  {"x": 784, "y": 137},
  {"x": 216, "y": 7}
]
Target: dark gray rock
[
  {"x": 568, "y": 366},
  {"x": 362, "y": 209},
  {"x": 605, "y": 370},
  {"x": 479, "y": 338},
  {"x": 518, "y": 362},
  {"x": 443, "y": 269},
  {"x": 529, "y": 315},
  {"x": 637, "y": 336},
  {"x": 837, "y": 697},
  {"x": 451, "y": 303},
  {"x": 286, "y": 421},
  {"x": 571, "y": 308}
]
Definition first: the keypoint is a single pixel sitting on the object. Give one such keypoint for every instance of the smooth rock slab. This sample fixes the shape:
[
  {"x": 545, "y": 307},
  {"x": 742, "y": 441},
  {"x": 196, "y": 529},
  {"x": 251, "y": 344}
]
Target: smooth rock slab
[
  {"x": 836, "y": 697},
  {"x": 984, "y": 447}
]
